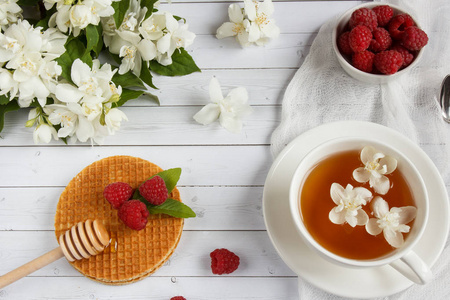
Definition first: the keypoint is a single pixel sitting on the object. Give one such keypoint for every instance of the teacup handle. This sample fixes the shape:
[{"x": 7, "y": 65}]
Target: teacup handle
[{"x": 413, "y": 267}]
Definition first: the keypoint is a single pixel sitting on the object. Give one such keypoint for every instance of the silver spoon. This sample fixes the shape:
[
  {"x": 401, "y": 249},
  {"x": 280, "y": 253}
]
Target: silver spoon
[{"x": 445, "y": 98}]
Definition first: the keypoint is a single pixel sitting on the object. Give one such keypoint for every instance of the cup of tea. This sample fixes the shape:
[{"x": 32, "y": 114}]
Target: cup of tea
[{"x": 361, "y": 203}]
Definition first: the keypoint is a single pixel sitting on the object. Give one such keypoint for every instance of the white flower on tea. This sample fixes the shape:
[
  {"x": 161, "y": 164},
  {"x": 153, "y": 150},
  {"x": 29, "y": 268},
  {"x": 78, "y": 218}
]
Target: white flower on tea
[
  {"x": 391, "y": 222},
  {"x": 10, "y": 12},
  {"x": 236, "y": 27},
  {"x": 376, "y": 165},
  {"x": 261, "y": 28},
  {"x": 229, "y": 110},
  {"x": 349, "y": 203}
]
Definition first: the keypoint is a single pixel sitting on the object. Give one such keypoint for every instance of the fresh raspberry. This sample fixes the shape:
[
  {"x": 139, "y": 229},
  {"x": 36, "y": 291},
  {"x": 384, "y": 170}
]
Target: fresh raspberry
[
  {"x": 414, "y": 38},
  {"x": 343, "y": 43},
  {"x": 359, "y": 38},
  {"x": 117, "y": 193},
  {"x": 363, "y": 61},
  {"x": 408, "y": 57},
  {"x": 398, "y": 24},
  {"x": 384, "y": 14},
  {"x": 364, "y": 16},
  {"x": 223, "y": 261},
  {"x": 388, "y": 62},
  {"x": 154, "y": 190},
  {"x": 381, "y": 40},
  {"x": 134, "y": 214},
  {"x": 178, "y": 298}
]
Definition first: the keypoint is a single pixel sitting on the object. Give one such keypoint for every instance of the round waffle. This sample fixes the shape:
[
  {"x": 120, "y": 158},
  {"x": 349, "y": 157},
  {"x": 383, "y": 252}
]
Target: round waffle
[{"x": 132, "y": 255}]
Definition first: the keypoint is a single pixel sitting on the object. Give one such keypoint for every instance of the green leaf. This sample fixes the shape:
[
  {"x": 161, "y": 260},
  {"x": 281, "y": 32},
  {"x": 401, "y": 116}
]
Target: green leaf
[
  {"x": 172, "y": 208},
  {"x": 74, "y": 49},
  {"x": 94, "y": 38},
  {"x": 152, "y": 97},
  {"x": 182, "y": 64},
  {"x": 146, "y": 76},
  {"x": 149, "y": 4},
  {"x": 27, "y": 2},
  {"x": 120, "y": 9},
  {"x": 4, "y": 100},
  {"x": 4, "y": 108},
  {"x": 170, "y": 177},
  {"x": 127, "y": 80},
  {"x": 127, "y": 94}
]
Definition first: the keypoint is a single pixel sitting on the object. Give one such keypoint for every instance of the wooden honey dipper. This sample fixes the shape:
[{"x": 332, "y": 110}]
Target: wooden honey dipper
[{"x": 83, "y": 240}]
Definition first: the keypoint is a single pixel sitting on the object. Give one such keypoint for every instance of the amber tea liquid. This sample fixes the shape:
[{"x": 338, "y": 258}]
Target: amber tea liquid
[{"x": 316, "y": 204}]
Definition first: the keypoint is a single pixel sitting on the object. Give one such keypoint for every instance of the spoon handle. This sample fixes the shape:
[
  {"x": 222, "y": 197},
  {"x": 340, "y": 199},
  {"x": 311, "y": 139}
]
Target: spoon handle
[{"x": 30, "y": 267}]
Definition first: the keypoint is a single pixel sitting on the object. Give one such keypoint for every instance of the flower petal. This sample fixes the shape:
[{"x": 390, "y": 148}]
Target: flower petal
[
  {"x": 379, "y": 207},
  {"x": 68, "y": 93},
  {"x": 361, "y": 218},
  {"x": 208, "y": 114},
  {"x": 367, "y": 154},
  {"x": 394, "y": 238},
  {"x": 238, "y": 95},
  {"x": 363, "y": 192},
  {"x": 235, "y": 13},
  {"x": 372, "y": 227},
  {"x": 381, "y": 185},
  {"x": 230, "y": 123},
  {"x": 215, "y": 91},
  {"x": 337, "y": 217},
  {"x": 250, "y": 9},
  {"x": 270, "y": 30},
  {"x": 163, "y": 44},
  {"x": 407, "y": 214},
  {"x": 361, "y": 175},
  {"x": 254, "y": 33},
  {"x": 337, "y": 192},
  {"x": 266, "y": 8},
  {"x": 226, "y": 30},
  {"x": 390, "y": 163},
  {"x": 243, "y": 39},
  {"x": 147, "y": 49},
  {"x": 351, "y": 219}
]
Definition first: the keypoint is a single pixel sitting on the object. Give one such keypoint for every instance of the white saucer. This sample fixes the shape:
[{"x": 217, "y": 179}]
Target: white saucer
[{"x": 341, "y": 281}]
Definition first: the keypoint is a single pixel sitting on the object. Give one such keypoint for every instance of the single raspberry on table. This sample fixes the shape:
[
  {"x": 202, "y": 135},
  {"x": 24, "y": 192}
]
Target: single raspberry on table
[
  {"x": 360, "y": 38},
  {"x": 223, "y": 261},
  {"x": 363, "y": 61},
  {"x": 408, "y": 57},
  {"x": 381, "y": 40},
  {"x": 364, "y": 16},
  {"x": 384, "y": 14},
  {"x": 178, "y": 298},
  {"x": 343, "y": 43},
  {"x": 398, "y": 24},
  {"x": 134, "y": 214},
  {"x": 414, "y": 38},
  {"x": 388, "y": 62},
  {"x": 117, "y": 193},
  {"x": 154, "y": 190}
]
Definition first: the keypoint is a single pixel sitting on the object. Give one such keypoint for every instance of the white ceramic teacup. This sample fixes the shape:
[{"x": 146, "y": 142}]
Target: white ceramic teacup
[{"x": 403, "y": 259}]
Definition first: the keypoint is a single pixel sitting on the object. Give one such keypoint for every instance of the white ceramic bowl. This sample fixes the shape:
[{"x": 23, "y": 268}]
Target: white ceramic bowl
[{"x": 358, "y": 74}]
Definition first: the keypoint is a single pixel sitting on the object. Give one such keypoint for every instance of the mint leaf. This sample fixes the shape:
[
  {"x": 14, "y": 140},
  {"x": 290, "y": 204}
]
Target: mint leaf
[
  {"x": 146, "y": 76},
  {"x": 172, "y": 208},
  {"x": 182, "y": 64},
  {"x": 4, "y": 108},
  {"x": 94, "y": 38},
  {"x": 170, "y": 177},
  {"x": 127, "y": 80},
  {"x": 120, "y": 9}
]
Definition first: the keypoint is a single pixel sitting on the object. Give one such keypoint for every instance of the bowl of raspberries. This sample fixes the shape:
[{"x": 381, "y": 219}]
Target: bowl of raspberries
[{"x": 377, "y": 43}]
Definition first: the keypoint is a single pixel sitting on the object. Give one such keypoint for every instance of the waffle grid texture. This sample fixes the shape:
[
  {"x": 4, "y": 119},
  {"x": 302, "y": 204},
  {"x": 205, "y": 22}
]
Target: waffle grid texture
[{"x": 132, "y": 255}]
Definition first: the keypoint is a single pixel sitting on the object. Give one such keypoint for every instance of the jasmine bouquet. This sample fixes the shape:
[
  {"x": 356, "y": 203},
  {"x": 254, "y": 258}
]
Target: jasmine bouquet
[{"x": 54, "y": 64}]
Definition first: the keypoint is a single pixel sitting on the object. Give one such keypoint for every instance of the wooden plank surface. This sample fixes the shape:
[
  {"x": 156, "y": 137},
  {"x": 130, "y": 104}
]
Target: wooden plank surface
[{"x": 223, "y": 173}]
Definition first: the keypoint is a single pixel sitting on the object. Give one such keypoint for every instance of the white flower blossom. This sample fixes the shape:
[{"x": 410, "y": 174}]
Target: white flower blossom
[
  {"x": 236, "y": 27},
  {"x": 261, "y": 28},
  {"x": 376, "y": 165},
  {"x": 73, "y": 16},
  {"x": 229, "y": 110},
  {"x": 391, "y": 222},
  {"x": 10, "y": 12},
  {"x": 349, "y": 203},
  {"x": 43, "y": 133},
  {"x": 28, "y": 54}
]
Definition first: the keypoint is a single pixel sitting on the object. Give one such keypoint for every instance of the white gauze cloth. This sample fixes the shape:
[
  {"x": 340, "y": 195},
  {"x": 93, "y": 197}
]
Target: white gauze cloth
[{"x": 322, "y": 92}]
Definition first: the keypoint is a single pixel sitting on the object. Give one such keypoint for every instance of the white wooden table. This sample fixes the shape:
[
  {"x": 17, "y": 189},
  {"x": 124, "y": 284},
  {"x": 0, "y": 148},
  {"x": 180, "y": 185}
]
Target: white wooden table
[{"x": 223, "y": 173}]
